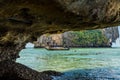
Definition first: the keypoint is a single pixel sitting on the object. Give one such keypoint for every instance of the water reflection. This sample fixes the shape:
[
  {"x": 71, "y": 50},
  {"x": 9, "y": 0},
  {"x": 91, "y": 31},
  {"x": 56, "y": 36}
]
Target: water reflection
[{"x": 90, "y": 74}]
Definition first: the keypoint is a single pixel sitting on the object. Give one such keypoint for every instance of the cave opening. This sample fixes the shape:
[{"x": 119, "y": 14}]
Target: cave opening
[
  {"x": 79, "y": 59},
  {"x": 21, "y": 21}
]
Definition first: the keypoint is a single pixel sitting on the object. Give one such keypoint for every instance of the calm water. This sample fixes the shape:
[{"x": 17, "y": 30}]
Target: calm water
[{"x": 100, "y": 62}]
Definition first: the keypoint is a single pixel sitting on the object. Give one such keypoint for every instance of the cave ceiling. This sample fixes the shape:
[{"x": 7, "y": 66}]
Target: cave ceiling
[{"x": 51, "y": 16}]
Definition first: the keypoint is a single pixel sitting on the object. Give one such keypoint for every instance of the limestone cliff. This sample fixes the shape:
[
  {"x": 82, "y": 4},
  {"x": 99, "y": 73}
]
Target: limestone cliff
[
  {"x": 111, "y": 34},
  {"x": 51, "y": 40}
]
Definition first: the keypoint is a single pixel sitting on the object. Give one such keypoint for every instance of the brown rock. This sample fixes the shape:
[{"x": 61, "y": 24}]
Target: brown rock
[{"x": 24, "y": 20}]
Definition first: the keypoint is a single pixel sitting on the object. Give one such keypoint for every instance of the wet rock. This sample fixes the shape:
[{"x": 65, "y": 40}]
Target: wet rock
[
  {"x": 10, "y": 70},
  {"x": 52, "y": 73}
]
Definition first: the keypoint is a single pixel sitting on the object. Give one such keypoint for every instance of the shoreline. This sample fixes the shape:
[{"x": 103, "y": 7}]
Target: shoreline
[
  {"x": 81, "y": 47},
  {"x": 11, "y": 70}
]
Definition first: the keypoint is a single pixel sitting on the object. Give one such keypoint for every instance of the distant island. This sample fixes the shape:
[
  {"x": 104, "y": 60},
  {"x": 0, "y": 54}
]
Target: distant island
[{"x": 86, "y": 38}]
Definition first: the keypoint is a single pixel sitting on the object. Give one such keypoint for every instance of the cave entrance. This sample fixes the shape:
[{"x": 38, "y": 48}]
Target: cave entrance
[
  {"x": 93, "y": 55},
  {"x": 95, "y": 59}
]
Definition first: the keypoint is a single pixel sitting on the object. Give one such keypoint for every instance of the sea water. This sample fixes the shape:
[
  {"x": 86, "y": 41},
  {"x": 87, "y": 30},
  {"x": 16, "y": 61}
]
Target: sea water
[{"x": 76, "y": 63}]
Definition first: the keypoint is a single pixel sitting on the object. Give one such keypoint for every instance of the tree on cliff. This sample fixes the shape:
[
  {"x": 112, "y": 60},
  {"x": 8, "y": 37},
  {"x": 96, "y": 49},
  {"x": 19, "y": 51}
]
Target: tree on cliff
[{"x": 88, "y": 38}]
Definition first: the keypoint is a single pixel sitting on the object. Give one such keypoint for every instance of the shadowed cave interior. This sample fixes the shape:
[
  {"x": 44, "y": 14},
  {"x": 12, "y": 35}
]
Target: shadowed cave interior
[{"x": 22, "y": 21}]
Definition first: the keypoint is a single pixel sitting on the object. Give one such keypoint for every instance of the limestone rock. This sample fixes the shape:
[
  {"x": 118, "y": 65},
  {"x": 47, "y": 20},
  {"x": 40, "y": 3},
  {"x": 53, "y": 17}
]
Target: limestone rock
[
  {"x": 111, "y": 33},
  {"x": 66, "y": 38}
]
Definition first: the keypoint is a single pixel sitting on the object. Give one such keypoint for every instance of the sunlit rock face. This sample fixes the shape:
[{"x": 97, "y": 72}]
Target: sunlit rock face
[
  {"x": 111, "y": 33},
  {"x": 51, "y": 40}
]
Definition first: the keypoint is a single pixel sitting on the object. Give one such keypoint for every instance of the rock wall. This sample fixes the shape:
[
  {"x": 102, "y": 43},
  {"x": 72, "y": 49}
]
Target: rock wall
[
  {"x": 111, "y": 33},
  {"x": 33, "y": 16},
  {"x": 51, "y": 40}
]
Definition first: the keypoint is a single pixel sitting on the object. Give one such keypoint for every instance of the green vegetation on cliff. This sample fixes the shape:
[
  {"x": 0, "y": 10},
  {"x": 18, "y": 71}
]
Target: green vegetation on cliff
[
  {"x": 86, "y": 38},
  {"x": 90, "y": 38}
]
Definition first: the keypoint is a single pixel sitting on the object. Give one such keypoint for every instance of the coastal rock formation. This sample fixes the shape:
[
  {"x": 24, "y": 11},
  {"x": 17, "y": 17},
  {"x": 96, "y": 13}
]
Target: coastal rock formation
[
  {"x": 23, "y": 20},
  {"x": 49, "y": 40},
  {"x": 68, "y": 38},
  {"x": 111, "y": 33}
]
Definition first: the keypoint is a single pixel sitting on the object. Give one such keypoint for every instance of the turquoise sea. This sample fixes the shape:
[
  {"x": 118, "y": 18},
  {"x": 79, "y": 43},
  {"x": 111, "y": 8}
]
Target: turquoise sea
[{"x": 100, "y": 63}]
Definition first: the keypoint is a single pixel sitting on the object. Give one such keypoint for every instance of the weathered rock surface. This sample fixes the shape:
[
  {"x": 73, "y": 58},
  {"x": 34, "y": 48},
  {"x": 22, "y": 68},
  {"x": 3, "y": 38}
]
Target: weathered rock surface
[
  {"x": 51, "y": 40},
  {"x": 111, "y": 33},
  {"x": 23, "y": 20},
  {"x": 93, "y": 11},
  {"x": 10, "y": 70},
  {"x": 62, "y": 15}
]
